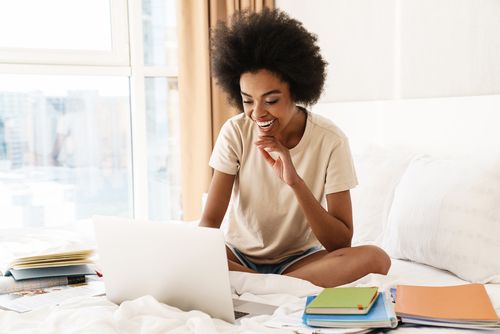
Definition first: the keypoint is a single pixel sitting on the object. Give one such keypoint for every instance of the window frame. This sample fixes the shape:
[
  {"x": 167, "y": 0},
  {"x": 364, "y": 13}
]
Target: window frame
[
  {"x": 126, "y": 59},
  {"x": 118, "y": 56}
]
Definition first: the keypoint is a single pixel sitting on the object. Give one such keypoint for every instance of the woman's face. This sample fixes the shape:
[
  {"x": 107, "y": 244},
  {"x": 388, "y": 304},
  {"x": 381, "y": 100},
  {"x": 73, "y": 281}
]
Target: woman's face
[{"x": 267, "y": 101}]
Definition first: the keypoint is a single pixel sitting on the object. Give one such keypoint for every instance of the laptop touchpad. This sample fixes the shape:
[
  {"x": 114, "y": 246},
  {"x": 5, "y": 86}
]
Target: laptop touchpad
[{"x": 253, "y": 308}]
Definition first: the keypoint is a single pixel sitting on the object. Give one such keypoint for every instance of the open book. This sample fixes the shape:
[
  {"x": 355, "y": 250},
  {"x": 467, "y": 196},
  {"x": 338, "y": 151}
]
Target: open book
[{"x": 67, "y": 263}]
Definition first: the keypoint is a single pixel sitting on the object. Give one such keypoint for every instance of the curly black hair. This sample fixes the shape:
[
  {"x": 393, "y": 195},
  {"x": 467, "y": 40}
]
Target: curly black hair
[{"x": 268, "y": 40}]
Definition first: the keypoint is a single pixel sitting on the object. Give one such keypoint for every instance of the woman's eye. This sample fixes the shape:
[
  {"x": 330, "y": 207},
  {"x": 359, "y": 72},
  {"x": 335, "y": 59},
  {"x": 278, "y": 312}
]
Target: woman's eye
[
  {"x": 247, "y": 102},
  {"x": 271, "y": 102}
]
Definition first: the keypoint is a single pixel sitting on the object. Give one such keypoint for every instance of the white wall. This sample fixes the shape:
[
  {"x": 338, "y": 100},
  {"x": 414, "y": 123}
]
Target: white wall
[
  {"x": 384, "y": 49},
  {"x": 450, "y": 47},
  {"x": 356, "y": 38}
]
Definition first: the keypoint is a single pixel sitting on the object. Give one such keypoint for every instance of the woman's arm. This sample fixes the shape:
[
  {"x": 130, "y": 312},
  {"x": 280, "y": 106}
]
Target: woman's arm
[
  {"x": 218, "y": 198},
  {"x": 333, "y": 228}
]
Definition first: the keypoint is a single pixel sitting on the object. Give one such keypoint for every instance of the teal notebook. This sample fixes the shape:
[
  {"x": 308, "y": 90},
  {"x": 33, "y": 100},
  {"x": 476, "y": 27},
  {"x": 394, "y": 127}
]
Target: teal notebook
[{"x": 381, "y": 315}]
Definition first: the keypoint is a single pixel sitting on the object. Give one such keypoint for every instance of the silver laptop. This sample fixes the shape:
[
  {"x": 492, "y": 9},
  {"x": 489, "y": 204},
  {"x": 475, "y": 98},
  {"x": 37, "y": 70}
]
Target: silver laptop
[{"x": 180, "y": 265}]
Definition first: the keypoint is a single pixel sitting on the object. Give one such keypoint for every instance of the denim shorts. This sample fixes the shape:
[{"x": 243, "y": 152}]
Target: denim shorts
[{"x": 273, "y": 268}]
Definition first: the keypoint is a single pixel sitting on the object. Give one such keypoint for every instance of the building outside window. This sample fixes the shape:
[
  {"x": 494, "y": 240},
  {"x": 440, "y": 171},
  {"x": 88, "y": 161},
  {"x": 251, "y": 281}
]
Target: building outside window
[{"x": 89, "y": 119}]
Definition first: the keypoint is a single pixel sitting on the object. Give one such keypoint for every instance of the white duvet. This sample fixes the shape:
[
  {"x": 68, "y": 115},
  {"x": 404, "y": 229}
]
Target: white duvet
[{"x": 146, "y": 315}]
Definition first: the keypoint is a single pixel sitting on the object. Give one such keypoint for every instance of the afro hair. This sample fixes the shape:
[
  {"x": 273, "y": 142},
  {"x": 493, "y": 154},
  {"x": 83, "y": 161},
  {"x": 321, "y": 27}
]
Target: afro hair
[{"x": 268, "y": 40}]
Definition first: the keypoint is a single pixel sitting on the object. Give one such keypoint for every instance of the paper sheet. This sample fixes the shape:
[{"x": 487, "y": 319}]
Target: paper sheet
[
  {"x": 8, "y": 284},
  {"x": 25, "y": 301}
]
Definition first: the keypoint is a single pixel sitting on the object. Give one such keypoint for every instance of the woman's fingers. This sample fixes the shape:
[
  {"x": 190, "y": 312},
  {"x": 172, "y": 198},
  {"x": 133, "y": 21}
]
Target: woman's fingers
[
  {"x": 267, "y": 156},
  {"x": 270, "y": 144}
]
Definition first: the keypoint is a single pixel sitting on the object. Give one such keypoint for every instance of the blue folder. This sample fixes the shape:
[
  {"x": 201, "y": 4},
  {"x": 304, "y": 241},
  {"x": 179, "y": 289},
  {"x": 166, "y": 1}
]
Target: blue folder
[
  {"x": 68, "y": 271},
  {"x": 380, "y": 315}
]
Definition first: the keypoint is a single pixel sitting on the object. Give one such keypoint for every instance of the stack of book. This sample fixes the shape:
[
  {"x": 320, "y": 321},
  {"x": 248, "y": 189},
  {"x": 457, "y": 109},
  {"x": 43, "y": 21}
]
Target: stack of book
[
  {"x": 460, "y": 306},
  {"x": 45, "y": 270},
  {"x": 40, "y": 280},
  {"x": 363, "y": 307}
]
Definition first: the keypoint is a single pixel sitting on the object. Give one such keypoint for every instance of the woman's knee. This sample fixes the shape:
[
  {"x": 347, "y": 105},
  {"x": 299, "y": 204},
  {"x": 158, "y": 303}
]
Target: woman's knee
[{"x": 380, "y": 262}]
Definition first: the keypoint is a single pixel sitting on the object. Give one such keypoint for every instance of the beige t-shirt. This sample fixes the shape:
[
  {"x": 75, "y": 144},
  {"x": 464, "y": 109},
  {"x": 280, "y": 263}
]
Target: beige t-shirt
[{"x": 266, "y": 222}]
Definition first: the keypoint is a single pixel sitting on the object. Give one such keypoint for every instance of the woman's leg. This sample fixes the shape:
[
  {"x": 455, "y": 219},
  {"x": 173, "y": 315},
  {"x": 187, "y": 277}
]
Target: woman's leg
[
  {"x": 341, "y": 266},
  {"x": 234, "y": 264}
]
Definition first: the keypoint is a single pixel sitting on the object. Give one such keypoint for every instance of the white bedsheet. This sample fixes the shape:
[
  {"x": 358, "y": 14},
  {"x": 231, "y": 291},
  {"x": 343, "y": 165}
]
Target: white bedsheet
[{"x": 146, "y": 315}]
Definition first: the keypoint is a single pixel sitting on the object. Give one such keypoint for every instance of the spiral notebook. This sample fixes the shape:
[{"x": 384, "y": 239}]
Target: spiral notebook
[{"x": 461, "y": 306}]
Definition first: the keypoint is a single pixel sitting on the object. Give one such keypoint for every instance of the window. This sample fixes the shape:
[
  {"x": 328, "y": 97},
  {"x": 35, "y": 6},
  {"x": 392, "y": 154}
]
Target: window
[
  {"x": 82, "y": 32},
  {"x": 88, "y": 115},
  {"x": 42, "y": 28},
  {"x": 164, "y": 182}
]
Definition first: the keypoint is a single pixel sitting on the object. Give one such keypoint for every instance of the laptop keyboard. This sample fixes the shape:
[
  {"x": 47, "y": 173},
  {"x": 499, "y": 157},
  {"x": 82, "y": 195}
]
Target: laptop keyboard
[{"x": 238, "y": 314}]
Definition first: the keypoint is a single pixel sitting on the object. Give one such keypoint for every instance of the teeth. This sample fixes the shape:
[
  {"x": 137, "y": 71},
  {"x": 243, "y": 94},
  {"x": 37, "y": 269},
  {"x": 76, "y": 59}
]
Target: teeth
[{"x": 265, "y": 124}]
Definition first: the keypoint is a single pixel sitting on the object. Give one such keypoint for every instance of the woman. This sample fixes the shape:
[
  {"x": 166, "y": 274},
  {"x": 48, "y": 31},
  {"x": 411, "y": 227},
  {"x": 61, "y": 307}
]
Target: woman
[{"x": 287, "y": 170}]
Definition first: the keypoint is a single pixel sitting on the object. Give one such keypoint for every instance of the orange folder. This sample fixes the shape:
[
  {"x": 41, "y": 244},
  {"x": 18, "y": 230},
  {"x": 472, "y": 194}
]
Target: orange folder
[{"x": 468, "y": 302}]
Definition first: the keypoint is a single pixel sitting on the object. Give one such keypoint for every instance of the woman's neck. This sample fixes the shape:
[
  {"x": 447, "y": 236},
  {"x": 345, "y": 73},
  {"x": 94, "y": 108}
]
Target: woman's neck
[{"x": 297, "y": 128}]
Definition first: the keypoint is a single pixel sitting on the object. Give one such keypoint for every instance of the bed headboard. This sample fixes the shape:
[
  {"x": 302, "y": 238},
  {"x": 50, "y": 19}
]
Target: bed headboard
[{"x": 455, "y": 125}]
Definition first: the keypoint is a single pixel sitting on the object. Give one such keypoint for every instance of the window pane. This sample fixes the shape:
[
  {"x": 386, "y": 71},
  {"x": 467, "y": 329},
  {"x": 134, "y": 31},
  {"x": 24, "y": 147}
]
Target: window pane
[
  {"x": 55, "y": 24},
  {"x": 160, "y": 33},
  {"x": 164, "y": 174},
  {"x": 64, "y": 149}
]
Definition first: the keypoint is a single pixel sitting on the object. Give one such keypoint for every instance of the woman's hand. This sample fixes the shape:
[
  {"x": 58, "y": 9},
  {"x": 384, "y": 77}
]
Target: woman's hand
[{"x": 283, "y": 165}]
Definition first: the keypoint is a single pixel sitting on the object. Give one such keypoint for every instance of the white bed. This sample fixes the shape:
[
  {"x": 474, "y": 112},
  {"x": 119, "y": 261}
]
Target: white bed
[
  {"x": 146, "y": 315},
  {"x": 379, "y": 203}
]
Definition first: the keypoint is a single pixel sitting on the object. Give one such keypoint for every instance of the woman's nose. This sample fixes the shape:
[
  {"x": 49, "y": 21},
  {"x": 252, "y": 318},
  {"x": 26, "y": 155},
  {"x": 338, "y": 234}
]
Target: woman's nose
[{"x": 259, "y": 110}]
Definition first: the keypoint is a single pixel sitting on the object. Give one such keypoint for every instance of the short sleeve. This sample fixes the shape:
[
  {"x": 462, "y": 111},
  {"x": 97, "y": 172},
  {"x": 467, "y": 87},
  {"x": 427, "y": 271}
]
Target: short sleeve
[
  {"x": 340, "y": 174},
  {"x": 226, "y": 155}
]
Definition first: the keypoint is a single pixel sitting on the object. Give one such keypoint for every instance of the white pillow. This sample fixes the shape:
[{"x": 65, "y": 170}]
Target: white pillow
[
  {"x": 446, "y": 213},
  {"x": 378, "y": 170}
]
